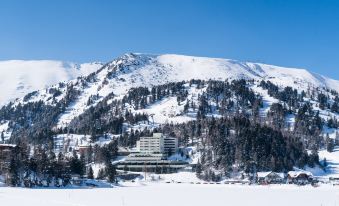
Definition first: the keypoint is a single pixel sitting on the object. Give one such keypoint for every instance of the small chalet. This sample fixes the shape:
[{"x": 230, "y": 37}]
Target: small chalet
[
  {"x": 83, "y": 149},
  {"x": 6, "y": 152},
  {"x": 270, "y": 177},
  {"x": 299, "y": 177}
]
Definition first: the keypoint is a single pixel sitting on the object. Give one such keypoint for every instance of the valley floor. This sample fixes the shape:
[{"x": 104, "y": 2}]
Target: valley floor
[{"x": 154, "y": 194}]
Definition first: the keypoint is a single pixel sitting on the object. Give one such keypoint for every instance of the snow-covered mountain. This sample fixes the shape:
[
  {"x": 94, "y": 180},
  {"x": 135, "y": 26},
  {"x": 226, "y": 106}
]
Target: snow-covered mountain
[
  {"x": 199, "y": 97},
  {"x": 19, "y": 77},
  {"x": 153, "y": 69},
  {"x": 136, "y": 70}
]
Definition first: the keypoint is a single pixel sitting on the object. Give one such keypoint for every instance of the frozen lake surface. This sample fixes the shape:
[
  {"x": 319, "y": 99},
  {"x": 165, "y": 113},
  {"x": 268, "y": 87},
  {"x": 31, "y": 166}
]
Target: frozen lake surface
[{"x": 155, "y": 194}]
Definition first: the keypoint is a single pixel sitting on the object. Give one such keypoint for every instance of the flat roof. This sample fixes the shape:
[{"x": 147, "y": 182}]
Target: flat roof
[{"x": 7, "y": 145}]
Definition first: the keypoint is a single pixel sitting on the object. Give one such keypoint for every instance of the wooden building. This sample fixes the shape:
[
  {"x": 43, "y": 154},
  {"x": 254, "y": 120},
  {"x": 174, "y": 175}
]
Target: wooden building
[
  {"x": 270, "y": 177},
  {"x": 300, "y": 177}
]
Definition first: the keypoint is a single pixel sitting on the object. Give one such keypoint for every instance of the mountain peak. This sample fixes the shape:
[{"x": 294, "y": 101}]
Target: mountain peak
[
  {"x": 183, "y": 67},
  {"x": 141, "y": 69}
]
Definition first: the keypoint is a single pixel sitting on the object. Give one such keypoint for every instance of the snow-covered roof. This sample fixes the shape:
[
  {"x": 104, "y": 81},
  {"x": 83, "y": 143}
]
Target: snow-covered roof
[
  {"x": 265, "y": 174},
  {"x": 125, "y": 149},
  {"x": 7, "y": 145},
  {"x": 297, "y": 173}
]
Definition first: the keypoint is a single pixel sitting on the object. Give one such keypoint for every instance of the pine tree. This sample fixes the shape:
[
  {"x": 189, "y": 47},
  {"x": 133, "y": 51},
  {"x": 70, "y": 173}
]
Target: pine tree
[
  {"x": 325, "y": 162},
  {"x": 2, "y": 137},
  {"x": 186, "y": 107},
  {"x": 14, "y": 178},
  {"x": 314, "y": 157},
  {"x": 329, "y": 144},
  {"x": 110, "y": 172},
  {"x": 90, "y": 174},
  {"x": 82, "y": 165},
  {"x": 101, "y": 174},
  {"x": 198, "y": 169}
]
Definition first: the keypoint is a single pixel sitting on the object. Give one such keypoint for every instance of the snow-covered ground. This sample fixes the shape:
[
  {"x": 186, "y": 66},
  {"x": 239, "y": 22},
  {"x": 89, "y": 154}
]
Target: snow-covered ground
[
  {"x": 267, "y": 99},
  {"x": 167, "y": 111},
  {"x": 183, "y": 177},
  {"x": 4, "y": 128},
  {"x": 332, "y": 168},
  {"x": 332, "y": 159},
  {"x": 149, "y": 194}
]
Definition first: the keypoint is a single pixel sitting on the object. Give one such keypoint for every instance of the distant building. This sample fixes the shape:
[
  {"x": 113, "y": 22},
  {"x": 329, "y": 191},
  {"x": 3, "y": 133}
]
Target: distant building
[
  {"x": 152, "y": 155},
  {"x": 158, "y": 143},
  {"x": 270, "y": 177},
  {"x": 83, "y": 149},
  {"x": 170, "y": 145},
  {"x": 299, "y": 177},
  {"x": 145, "y": 157},
  {"x": 149, "y": 145},
  {"x": 148, "y": 162}
]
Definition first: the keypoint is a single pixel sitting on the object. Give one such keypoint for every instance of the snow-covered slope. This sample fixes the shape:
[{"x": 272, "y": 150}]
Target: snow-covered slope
[
  {"x": 19, "y": 77},
  {"x": 135, "y": 70},
  {"x": 155, "y": 69},
  {"x": 183, "y": 67}
]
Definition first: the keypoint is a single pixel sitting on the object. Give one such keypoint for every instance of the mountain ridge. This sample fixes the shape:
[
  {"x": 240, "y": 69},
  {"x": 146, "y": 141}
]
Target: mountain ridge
[
  {"x": 19, "y": 77},
  {"x": 147, "y": 70}
]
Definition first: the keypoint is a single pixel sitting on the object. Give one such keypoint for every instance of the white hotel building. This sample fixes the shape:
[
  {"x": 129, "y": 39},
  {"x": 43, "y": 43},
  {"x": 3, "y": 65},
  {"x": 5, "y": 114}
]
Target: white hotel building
[
  {"x": 152, "y": 155},
  {"x": 158, "y": 143}
]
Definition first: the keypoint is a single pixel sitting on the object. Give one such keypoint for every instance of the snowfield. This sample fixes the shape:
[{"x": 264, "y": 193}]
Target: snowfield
[
  {"x": 19, "y": 77},
  {"x": 155, "y": 194},
  {"x": 332, "y": 158}
]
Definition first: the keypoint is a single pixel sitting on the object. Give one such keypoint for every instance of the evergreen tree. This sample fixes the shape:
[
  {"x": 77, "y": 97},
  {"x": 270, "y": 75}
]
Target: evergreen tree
[
  {"x": 101, "y": 174},
  {"x": 14, "y": 178},
  {"x": 82, "y": 165},
  {"x": 110, "y": 172},
  {"x": 198, "y": 169},
  {"x": 90, "y": 174},
  {"x": 90, "y": 154},
  {"x": 2, "y": 137},
  {"x": 329, "y": 144}
]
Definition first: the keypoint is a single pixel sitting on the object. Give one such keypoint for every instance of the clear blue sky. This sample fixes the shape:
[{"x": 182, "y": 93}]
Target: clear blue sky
[{"x": 299, "y": 33}]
